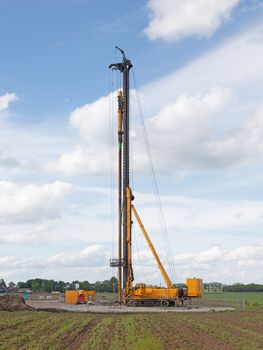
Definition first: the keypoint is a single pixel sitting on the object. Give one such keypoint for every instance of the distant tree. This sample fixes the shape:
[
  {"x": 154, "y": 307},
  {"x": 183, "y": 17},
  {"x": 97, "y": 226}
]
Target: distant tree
[
  {"x": 2, "y": 284},
  {"x": 60, "y": 286},
  {"x": 11, "y": 285},
  {"x": 98, "y": 286},
  {"x": 113, "y": 284},
  {"x": 36, "y": 285},
  {"x": 21, "y": 284},
  {"x": 49, "y": 285},
  {"x": 85, "y": 285},
  {"x": 71, "y": 286},
  {"x": 238, "y": 287},
  {"x": 76, "y": 284}
]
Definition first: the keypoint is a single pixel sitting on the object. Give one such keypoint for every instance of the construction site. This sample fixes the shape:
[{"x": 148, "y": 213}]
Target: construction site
[
  {"x": 131, "y": 148},
  {"x": 139, "y": 316},
  {"x": 130, "y": 298}
]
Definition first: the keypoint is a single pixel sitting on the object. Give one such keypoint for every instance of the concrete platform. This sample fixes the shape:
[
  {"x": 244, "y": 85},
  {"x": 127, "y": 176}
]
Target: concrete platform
[{"x": 43, "y": 304}]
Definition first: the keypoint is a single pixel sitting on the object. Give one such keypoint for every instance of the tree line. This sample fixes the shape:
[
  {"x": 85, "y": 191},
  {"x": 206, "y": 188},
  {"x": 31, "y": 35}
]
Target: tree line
[
  {"x": 239, "y": 287},
  {"x": 39, "y": 284},
  {"x": 111, "y": 285}
]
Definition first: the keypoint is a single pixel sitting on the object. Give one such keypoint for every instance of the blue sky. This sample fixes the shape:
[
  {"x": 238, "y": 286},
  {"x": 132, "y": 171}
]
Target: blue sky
[
  {"x": 199, "y": 73},
  {"x": 58, "y": 51}
]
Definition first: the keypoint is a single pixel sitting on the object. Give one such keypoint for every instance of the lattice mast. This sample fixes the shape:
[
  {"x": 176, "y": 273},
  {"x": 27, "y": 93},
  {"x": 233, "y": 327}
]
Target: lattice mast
[{"x": 124, "y": 261}]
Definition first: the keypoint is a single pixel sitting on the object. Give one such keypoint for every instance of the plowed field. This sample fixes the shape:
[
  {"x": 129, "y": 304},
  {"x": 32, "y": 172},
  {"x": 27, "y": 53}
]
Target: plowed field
[{"x": 51, "y": 330}]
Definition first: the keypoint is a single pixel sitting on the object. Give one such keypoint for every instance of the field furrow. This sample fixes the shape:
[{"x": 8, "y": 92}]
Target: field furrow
[{"x": 38, "y": 330}]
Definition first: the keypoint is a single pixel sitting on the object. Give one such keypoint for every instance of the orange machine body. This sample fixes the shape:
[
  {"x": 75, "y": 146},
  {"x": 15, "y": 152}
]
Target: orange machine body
[
  {"x": 194, "y": 287},
  {"x": 145, "y": 292},
  {"x": 80, "y": 296}
]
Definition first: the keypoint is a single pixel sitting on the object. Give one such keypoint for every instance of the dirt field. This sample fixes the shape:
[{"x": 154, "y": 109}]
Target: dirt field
[{"x": 65, "y": 330}]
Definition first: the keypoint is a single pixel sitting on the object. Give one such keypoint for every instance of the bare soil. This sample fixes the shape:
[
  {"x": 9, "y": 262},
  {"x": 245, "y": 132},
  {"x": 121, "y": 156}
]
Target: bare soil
[
  {"x": 38, "y": 330},
  {"x": 12, "y": 303}
]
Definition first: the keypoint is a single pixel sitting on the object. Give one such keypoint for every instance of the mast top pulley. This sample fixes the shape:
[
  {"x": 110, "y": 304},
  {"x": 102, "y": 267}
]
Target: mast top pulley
[{"x": 126, "y": 63}]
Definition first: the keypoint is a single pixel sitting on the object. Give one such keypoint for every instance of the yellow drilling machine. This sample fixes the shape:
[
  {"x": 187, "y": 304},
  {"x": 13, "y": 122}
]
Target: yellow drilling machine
[{"x": 140, "y": 294}]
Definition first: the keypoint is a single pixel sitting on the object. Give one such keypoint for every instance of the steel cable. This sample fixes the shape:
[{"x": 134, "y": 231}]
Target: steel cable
[
  {"x": 112, "y": 161},
  {"x": 163, "y": 226}
]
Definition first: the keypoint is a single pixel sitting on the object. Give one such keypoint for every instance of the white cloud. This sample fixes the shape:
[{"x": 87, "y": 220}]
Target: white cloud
[
  {"x": 17, "y": 232},
  {"x": 91, "y": 157},
  {"x": 31, "y": 202},
  {"x": 235, "y": 135},
  {"x": 175, "y": 19},
  {"x": 235, "y": 64},
  {"x": 186, "y": 126},
  {"x": 92, "y": 120},
  {"x": 8, "y": 162},
  {"x": 81, "y": 160},
  {"x": 215, "y": 255},
  {"x": 201, "y": 215},
  {"x": 213, "y": 264},
  {"x": 188, "y": 117},
  {"x": 208, "y": 256},
  {"x": 244, "y": 253},
  {"x": 6, "y": 99},
  {"x": 192, "y": 127},
  {"x": 241, "y": 144},
  {"x": 204, "y": 116},
  {"x": 18, "y": 237},
  {"x": 82, "y": 210},
  {"x": 91, "y": 264},
  {"x": 93, "y": 255}
]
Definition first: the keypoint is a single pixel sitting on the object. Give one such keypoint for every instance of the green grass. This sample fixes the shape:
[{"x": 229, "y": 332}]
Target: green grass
[
  {"x": 251, "y": 298},
  {"x": 38, "y": 330},
  {"x": 106, "y": 296},
  {"x": 97, "y": 339}
]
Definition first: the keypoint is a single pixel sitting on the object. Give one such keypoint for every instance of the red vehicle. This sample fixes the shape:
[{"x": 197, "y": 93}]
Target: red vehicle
[{"x": 81, "y": 299}]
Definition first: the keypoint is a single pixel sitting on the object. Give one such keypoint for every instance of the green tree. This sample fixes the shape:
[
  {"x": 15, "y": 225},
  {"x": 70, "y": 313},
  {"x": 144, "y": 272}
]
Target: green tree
[
  {"x": 36, "y": 285},
  {"x": 11, "y": 284},
  {"x": 85, "y": 285}
]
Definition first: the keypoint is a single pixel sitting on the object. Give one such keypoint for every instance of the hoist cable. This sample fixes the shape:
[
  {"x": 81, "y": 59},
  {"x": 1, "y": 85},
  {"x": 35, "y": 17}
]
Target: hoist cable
[
  {"x": 163, "y": 226},
  {"x": 111, "y": 155}
]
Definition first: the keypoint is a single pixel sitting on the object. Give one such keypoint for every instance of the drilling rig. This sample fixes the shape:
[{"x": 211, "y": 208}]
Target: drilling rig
[{"x": 140, "y": 294}]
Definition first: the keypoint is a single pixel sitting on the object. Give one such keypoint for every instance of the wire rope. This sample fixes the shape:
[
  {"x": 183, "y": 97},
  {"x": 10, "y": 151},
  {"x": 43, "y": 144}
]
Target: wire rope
[
  {"x": 133, "y": 188},
  {"x": 161, "y": 217},
  {"x": 111, "y": 156}
]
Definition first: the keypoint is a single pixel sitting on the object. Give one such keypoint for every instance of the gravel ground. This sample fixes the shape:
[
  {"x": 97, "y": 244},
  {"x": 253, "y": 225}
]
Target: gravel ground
[{"x": 43, "y": 304}]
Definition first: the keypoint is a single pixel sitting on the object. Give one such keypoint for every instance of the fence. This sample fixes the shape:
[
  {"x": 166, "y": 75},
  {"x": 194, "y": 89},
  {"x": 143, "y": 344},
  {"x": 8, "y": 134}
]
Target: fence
[
  {"x": 47, "y": 296},
  {"x": 225, "y": 301}
]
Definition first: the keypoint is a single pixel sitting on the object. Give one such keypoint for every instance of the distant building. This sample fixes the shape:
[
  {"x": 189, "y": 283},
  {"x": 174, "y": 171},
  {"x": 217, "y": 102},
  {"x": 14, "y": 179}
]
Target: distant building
[
  {"x": 213, "y": 287},
  {"x": 24, "y": 290}
]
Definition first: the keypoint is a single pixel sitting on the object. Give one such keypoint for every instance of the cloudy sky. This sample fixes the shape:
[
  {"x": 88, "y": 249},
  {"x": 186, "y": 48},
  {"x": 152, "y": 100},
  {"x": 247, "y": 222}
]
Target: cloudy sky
[{"x": 198, "y": 66}]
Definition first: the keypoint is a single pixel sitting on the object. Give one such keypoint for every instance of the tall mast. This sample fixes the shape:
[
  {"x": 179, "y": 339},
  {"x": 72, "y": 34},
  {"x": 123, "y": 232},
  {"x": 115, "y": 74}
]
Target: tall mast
[
  {"x": 124, "y": 261},
  {"x": 126, "y": 293},
  {"x": 126, "y": 162},
  {"x": 120, "y": 133}
]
